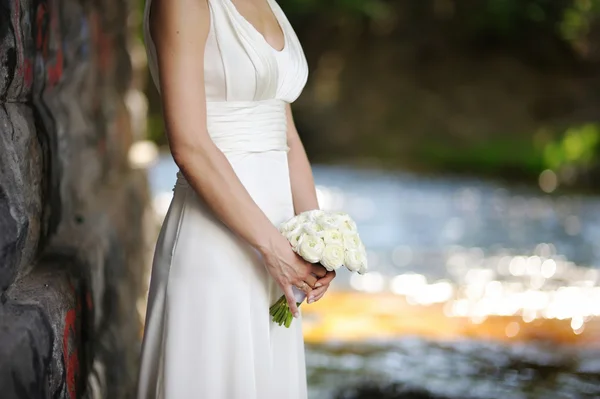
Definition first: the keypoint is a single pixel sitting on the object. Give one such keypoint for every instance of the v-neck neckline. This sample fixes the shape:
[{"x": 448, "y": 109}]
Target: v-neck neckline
[{"x": 264, "y": 39}]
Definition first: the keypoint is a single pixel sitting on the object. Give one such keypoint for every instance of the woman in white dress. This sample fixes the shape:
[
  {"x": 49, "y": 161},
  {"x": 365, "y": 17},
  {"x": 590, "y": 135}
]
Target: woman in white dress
[{"x": 227, "y": 71}]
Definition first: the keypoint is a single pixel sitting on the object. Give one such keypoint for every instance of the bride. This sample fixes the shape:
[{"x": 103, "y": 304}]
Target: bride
[{"x": 227, "y": 71}]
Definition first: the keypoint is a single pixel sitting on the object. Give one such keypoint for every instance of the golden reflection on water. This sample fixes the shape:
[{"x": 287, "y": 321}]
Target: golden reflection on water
[{"x": 359, "y": 316}]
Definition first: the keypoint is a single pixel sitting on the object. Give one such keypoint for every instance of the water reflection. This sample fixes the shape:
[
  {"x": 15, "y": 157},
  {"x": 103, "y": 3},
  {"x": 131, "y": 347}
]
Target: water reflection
[{"x": 459, "y": 369}]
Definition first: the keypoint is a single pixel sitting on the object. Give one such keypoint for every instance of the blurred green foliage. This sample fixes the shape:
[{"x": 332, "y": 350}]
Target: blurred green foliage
[
  {"x": 577, "y": 18},
  {"x": 491, "y": 156},
  {"x": 577, "y": 147}
]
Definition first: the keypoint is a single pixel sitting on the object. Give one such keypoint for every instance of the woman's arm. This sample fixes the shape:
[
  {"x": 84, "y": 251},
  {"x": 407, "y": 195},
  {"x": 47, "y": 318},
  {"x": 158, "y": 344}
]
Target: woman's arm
[
  {"x": 179, "y": 30},
  {"x": 304, "y": 193}
]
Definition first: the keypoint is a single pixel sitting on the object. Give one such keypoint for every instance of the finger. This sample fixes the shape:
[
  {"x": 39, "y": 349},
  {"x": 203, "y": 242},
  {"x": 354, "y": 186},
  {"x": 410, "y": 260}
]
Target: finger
[
  {"x": 325, "y": 280},
  {"x": 317, "y": 294},
  {"x": 318, "y": 270},
  {"x": 311, "y": 280},
  {"x": 319, "y": 297},
  {"x": 303, "y": 286},
  {"x": 289, "y": 296}
]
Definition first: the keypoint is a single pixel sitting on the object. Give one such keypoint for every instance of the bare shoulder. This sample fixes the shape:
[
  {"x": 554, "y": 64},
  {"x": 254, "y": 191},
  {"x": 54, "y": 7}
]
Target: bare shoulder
[{"x": 179, "y": 22}]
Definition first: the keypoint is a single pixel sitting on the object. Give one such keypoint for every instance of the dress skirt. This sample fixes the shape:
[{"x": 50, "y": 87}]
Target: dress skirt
[{"x": 208, "y": 332}]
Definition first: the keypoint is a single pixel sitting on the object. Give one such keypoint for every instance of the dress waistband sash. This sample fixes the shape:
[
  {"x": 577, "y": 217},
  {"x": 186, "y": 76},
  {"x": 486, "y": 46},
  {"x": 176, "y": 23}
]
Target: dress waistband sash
[{"x": 245, "y": 127}]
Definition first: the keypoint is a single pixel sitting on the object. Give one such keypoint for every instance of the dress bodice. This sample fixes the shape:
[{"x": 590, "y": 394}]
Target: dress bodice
[{"x": 239, "y": 64}]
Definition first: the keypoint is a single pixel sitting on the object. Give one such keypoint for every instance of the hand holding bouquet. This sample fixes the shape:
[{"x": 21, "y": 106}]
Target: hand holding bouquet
[{"x": 328, "y": 238}]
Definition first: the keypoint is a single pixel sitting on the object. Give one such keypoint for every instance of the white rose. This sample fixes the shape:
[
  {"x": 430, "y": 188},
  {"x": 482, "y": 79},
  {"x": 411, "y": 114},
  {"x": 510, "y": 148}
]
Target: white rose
[
  {"x": 295, "y": 238},
  {"x": 364, "y": 268},
  {"x": 333, "y": 257},
  {"x": 362, "y": 249},
  {"x": 365, "y": 264},
  {"x": 313, "y": 229},
  {"x": 302, "y": 218},
  {"x": 354, "y": 260},
  {"x": 309, "y": 216},
  {"x": 345, "y": 222},
  {"x": 352, "y": 241},
  {"x": 328, "y": 221},
  {"x": 314, "y": 214},
  {"x": 311, "y": 248},
  {"x": 288, "y": 226},
  {"x": 333, "y": 236}
]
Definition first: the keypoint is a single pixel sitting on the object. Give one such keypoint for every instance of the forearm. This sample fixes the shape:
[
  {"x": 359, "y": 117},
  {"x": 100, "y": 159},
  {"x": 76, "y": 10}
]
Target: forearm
[
  {"x": 211, "y": 176},
  {"x": 304, "y": 193}
]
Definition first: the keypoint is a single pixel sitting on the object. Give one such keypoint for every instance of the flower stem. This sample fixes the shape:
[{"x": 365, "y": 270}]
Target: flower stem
[
  {"x": 277, "y": 304},
  {"x": 280, "y": 312}
]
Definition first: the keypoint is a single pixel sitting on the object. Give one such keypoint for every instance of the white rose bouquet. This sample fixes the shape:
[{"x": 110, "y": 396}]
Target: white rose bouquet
[{"x": 328, "y": 238}]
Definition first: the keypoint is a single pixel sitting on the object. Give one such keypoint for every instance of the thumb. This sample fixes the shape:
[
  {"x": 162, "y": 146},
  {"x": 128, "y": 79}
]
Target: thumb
[{"x": 289, "y": 296}]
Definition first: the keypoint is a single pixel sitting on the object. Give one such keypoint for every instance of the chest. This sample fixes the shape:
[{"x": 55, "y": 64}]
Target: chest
[
  {"x": 240, "y": 63},
  {"x": 260, "y": 15}
]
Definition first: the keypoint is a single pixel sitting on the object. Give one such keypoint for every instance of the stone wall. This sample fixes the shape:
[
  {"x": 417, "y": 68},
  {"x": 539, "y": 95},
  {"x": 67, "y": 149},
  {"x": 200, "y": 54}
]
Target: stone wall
[{"x": 72, "y": 212}]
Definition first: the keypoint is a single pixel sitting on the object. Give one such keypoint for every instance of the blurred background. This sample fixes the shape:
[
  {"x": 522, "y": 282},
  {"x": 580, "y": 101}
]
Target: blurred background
[
  {"x": 462, "y": 135},
  {"x": 464, "y": 138}
]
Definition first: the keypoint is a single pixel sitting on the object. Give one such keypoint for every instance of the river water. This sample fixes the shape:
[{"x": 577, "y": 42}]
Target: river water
[{"x": 483, "y": 247}]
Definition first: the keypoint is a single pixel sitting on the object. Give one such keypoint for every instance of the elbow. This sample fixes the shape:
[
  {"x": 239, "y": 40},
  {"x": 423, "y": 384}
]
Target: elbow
[
  {"x": 180, "y": 154},
  {"x": 184, "y": 154},
  {"x": 193, "y": 151}
]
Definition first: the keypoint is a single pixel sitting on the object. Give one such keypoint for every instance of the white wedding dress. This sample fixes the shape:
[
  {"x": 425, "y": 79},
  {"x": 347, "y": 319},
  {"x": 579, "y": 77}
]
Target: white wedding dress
[{"x": 208, "y": 333}]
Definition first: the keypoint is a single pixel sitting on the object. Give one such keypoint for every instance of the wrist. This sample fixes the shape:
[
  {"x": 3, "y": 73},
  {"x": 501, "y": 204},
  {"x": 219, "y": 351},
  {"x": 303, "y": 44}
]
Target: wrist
[{"x": 267, "y": 244}]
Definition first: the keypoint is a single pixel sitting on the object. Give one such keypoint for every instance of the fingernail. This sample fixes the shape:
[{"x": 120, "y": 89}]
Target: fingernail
[
  {"x": 318, "y": 285},
  {"x": 311, "y": 300},
  {"x": 296, "y": 315}
]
